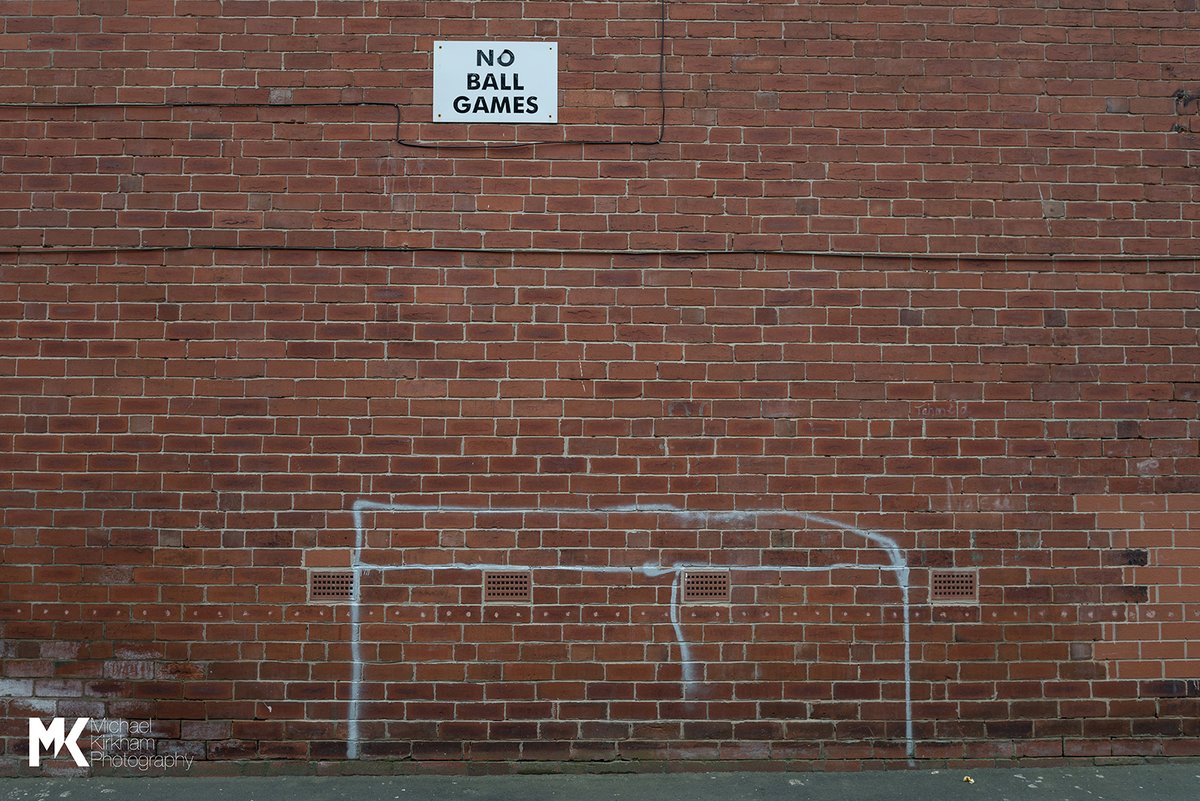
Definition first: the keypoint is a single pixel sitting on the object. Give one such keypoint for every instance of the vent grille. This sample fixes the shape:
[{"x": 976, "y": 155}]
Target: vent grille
[
  {"x": 507, "y": 587},
  {"x": 705, "y": 586},
  {"x": 953, "y": 586},
  {"x": 331, "y": 585}
]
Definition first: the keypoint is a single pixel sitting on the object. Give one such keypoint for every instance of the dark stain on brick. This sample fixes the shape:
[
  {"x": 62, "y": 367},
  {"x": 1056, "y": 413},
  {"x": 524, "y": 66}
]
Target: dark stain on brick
[
  {"x": 1054, "y": 318},
  {"x": 1186, "y": 484},
  {"x": 564, "y": 464},
  {"x": 1128, "y": 429},
  {"x": 1169, "y": 688},
  {"x": 808, "y": 206},
  {"x": 1131, "y": 594},
  {"x": 1135, "y": 556},
  {"x": 765, "y": 315}
]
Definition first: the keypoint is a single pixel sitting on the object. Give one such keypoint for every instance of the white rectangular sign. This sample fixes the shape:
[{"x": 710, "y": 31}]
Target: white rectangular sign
[{"x": 495, "y": 81}]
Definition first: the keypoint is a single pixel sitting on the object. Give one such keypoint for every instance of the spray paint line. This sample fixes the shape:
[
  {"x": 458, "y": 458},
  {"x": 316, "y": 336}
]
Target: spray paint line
[
  {"x": 657, "y": 570},
  {"x": 355, "y": 639},
  {"x": 898, "y": 567},
  {"x": 687, "y": 665}
]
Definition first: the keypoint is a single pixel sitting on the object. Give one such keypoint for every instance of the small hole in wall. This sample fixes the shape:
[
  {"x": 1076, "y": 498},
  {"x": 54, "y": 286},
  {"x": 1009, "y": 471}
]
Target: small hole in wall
[
  {"x": 331, "y": 586},
  {"x": 953, "y": 586}
]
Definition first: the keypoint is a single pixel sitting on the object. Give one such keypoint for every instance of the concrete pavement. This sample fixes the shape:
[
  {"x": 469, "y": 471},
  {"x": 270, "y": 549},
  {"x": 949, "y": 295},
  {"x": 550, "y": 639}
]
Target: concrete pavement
[{"x": 1169, "y": 782}]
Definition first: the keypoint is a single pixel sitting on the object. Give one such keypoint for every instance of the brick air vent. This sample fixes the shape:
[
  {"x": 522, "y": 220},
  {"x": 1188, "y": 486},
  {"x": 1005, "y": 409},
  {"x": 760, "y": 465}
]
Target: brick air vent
[
  {"x": 706, "y": 586},
  {"x": 953, "y": 586},
  {"x": 507, "y": 587},
  {"x": 331, "y": 585}
]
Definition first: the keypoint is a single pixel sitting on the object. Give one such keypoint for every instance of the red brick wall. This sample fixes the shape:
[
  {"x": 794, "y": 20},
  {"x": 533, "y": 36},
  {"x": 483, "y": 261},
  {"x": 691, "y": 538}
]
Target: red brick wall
[
  {"x": 184, "y": 439},
  {"x": 232, "y": 319},
  {"x": 1158, "y": 641},
  {"x": 914, "y": 127}
]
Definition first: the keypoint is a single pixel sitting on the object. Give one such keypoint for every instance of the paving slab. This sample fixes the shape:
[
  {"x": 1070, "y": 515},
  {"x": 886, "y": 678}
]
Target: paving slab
[{"x": 1167, "y": 782}]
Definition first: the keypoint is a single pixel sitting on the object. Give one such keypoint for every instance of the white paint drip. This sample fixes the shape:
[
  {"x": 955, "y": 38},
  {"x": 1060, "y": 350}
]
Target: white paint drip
[
  {"x": 689, "y": 668},
  {"x": 686, "y": 664}
]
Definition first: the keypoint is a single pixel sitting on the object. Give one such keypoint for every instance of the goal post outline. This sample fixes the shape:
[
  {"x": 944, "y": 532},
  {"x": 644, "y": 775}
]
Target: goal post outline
[{"x": 897, "y": 566}]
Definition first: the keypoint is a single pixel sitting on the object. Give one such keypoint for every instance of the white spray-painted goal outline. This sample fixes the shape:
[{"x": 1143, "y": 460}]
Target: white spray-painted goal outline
[{"x": 898, "y": 567}]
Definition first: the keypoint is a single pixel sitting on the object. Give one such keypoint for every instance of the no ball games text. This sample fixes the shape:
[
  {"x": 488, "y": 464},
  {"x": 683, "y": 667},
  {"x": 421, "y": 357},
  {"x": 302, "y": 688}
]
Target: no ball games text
[{"x": 495, "y": 82}]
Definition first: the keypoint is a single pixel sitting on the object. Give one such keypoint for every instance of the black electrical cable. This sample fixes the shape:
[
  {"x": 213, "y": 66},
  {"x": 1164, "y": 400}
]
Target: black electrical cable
[
  {"x": 662, "y": 115},
  {"x": 232, "y": 104},
  {"x": 662, "y": 100},
  {"x": 1004, "y": 258}
]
